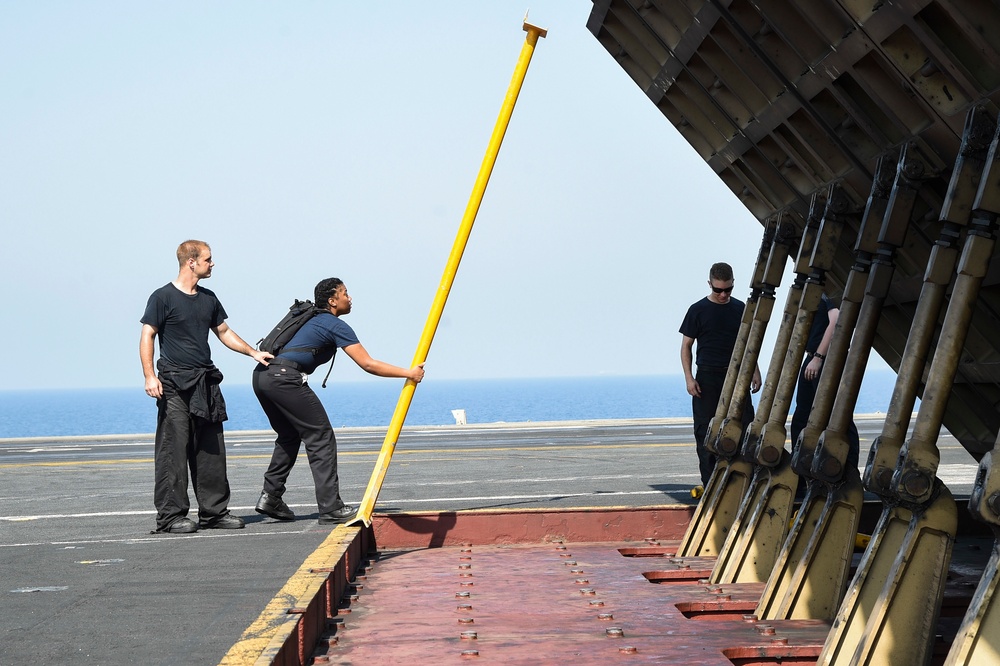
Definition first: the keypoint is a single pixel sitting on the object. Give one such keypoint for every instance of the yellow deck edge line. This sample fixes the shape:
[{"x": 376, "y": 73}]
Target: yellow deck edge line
[{"x": 268, "y": 633}]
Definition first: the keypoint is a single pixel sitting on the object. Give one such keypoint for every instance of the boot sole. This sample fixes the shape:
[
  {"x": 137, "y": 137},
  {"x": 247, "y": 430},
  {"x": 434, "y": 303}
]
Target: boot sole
[
  {"x": 276, "y": 516},
  {"x": 336, "y": 521}
]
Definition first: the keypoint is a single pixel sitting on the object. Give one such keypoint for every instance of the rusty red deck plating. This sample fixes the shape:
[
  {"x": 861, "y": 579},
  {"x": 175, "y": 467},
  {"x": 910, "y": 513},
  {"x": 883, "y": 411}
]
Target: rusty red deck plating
[
  {"x": 543, "y": 588},
  {"x": 553, "y": 603}
]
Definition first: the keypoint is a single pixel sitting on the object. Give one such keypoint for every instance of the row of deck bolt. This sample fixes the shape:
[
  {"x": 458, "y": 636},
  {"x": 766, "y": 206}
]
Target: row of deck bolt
[
  {"x": 610, "y": 632},
  {"x": 465, "y": 572},
  {"x": 337, "y": 624}
]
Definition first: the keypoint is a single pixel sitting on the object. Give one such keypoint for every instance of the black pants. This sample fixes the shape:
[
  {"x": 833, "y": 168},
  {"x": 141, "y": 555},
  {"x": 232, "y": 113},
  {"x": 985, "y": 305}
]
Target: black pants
[
  {"x": 805, "y": 394},
  {"x": 298, "y": 417},
  {"x": 711, "y": 380},
  {"x": 184, "y": 441}
]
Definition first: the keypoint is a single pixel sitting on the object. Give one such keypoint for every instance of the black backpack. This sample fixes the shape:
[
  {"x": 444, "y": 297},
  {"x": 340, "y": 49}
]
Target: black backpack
[{"x": 298, "y": 314}]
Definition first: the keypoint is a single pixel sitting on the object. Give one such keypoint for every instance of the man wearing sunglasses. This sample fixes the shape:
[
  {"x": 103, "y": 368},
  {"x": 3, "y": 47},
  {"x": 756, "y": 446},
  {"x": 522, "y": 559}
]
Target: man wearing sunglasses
[{"x": 714, "y": 323}]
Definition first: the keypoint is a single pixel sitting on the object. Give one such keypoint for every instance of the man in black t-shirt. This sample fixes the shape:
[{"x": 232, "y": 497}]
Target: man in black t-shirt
[
  {"x": 190, "y": 407},
  {"x": 714, "y": 322}
]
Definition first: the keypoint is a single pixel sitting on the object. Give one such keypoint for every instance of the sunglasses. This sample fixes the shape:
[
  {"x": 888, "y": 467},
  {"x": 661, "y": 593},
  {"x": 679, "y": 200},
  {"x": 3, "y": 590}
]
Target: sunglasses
[{"x": 722, "y": 290}]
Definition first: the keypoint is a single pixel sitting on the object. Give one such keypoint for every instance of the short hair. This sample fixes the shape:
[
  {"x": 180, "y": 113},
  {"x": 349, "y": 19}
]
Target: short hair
[
  {"x": 721, "y": 271},
  {"x": 189, "y": 249},
  {"x": 325, "y": 289}
]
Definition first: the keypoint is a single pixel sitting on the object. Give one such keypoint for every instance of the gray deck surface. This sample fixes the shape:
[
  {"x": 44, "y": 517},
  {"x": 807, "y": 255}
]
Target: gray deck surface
[{"x": 84, "y": 581}]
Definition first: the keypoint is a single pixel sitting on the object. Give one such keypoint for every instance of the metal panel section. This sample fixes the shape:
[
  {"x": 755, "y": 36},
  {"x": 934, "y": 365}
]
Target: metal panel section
[{"x": 783, "y": 99}]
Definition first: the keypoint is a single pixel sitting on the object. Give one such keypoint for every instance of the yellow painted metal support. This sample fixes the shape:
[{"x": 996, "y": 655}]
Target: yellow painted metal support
[
  {"x": 742, "y": 335},
  {"x": 717, "y": 509},
  {"x": 819, "y": 415},
  {"x": 451, "y": 268},
  {"x": 761, "y": 527},
  {"x": 883, "y": 230},
  {"x": 770, "y": 394},
  {"x": 731, "y": 433},
  {"x": 828, "y": 230},
  {"x": 896, "y": 594},
  {"x": 713, "y": 515},
  {"x": 891, "y": 609},
  {"x": 808, "y": 578},
  {"x": 976, "y": 640},
  {"x": 753, "y": 544},
  {"x": 730, "y": 481}
]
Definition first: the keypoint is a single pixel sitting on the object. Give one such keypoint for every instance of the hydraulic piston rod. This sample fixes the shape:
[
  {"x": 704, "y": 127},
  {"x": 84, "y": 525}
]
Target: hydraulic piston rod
[
  {"x": 955, "y": 212},
  {"x": 728, "y": 482},
  {"x": 730, "y": 434},
  {"x": 769, "y": 394},
  {"x": 896, "y": 593},
  {"x": 773, "y": 434},
  {"x": 733, "y": 373},
  {"x": 832, "y": 450},
  {"x": 976, "y": 639},
  {"x": 762, "y": 522}
]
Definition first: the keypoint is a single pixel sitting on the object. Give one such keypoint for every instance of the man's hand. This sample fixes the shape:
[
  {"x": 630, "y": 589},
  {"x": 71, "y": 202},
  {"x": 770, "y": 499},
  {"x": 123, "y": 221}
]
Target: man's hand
[
  {"x": 417, "y": 373},
  {"x": 693, "y": 388},
  {"x": 755, "y": 382},
  {"x": 154, "y": 389},
  {"x": 229, "y": 338},
  {"x": 261, "y": 356},
  {"x": 813, "y": 368}
]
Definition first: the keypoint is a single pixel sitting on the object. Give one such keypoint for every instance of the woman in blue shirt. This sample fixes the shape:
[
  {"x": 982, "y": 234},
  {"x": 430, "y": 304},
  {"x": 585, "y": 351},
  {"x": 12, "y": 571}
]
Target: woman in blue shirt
[{"x": 295, "y": 411}]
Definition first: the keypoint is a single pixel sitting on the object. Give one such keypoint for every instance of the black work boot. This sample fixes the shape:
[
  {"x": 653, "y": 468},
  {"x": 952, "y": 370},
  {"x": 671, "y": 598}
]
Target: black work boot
[
  {"x": 273, "y": 506},
  {"x": 336, "y": 516}
]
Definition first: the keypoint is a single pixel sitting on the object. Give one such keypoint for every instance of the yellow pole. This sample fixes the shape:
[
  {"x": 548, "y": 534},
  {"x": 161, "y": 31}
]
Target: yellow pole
[{"x": 451, "y": 268}]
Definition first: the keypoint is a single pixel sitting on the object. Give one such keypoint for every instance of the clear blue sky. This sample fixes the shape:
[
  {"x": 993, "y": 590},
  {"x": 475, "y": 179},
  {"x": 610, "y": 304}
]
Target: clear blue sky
[{"x": 314, "y": 139}]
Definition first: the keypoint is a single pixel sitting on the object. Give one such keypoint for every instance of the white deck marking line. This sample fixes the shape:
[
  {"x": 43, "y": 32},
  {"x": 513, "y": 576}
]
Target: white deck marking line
[
  {"x": 955, "y": 473},
  {"x": 159, "y": 538},
  {"x": 241, "y": 509}
]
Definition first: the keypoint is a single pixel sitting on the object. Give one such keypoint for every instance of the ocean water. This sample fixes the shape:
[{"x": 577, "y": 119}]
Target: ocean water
[{"x": 109, "y": 411}]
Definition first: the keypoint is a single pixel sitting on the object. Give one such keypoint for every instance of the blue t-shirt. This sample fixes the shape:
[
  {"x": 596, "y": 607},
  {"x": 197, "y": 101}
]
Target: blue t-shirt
[
  {"x": 714, "y": 327},
  {"x": 325, "y": 333},
  {"x": 182, "y": 322}
]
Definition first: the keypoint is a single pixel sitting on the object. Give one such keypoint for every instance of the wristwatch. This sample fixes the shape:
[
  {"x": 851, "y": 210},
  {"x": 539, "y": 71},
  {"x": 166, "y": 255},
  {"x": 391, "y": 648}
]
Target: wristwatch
[{"x": 821, "y": 357}]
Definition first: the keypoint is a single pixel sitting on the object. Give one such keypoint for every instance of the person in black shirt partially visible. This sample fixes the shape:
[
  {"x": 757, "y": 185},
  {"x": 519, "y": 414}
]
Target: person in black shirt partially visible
[
  {"x": 713, "y": 322},
  {"x": 189, "y": 402},
  {"x": 820, "y": 335}
]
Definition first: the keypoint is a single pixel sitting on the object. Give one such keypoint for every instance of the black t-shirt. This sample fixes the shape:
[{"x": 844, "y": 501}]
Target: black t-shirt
[
  {"x": 182, "y": 322},
  {"x": 820, "y": 321},
  {"x": 714, "y": 327}
]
